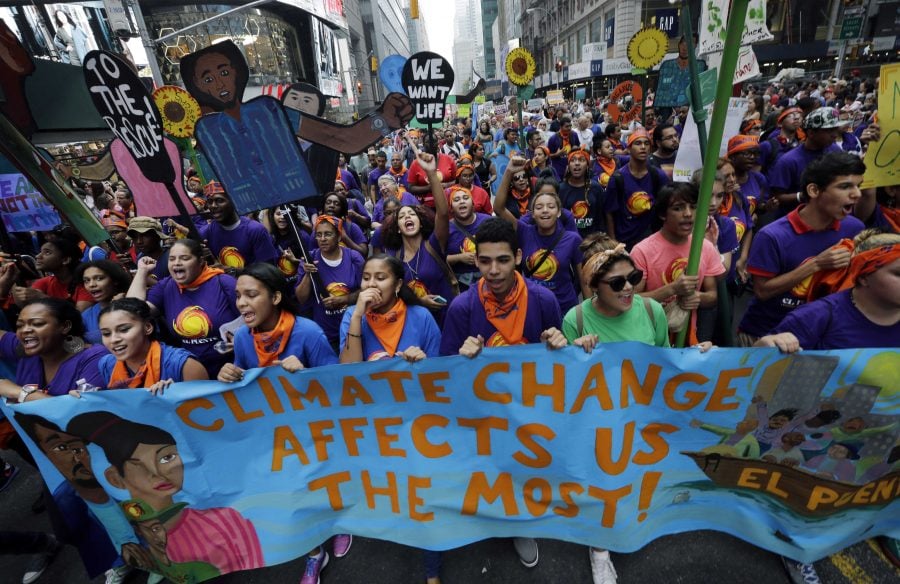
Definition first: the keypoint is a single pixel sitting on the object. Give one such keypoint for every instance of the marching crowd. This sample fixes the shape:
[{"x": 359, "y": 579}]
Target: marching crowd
[{"x": 578, "y": 238}]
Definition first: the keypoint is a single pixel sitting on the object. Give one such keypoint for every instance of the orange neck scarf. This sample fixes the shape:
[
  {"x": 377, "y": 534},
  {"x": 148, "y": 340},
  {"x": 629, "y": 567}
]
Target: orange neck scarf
[
  {"x": 205, "y": 275},
  {"x": 727, "y": 203},
  {"x": 892, "y": 216},
  {"x": 522, "y": 198},
  {"x": 269, "y": 346},
  {"x": 388, "y": 327},
  {"x": 565, "y": 135},
  {"x": 607, "y": 164},
  {"x": 398, "y": 173},
  {"x": 147, "y": 375},
  {"x": 861, "y": 264},
  {"x": 507, "y": 315}
]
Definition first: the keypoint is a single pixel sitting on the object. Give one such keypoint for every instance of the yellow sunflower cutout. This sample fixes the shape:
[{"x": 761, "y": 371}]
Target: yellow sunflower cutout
[
  {"x": 520, "y": 66},
  {"x": 178, "y": 109},
  {"x": 647, "y": 48}
]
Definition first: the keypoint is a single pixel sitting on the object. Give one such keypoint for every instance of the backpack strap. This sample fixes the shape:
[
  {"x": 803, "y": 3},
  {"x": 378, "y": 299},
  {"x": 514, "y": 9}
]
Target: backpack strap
[
  {"x": 649, "y": 308},
  {"x": 528, "y": 272},
  {"x": 579, "y": 319},
  {"x": 442, "y": 263}
]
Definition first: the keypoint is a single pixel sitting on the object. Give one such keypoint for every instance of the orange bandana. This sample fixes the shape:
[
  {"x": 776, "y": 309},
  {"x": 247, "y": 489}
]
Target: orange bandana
[
  {"x": 507, "y": 315},
  {"x": 331, "y": 220},
  {"x": 565, "y": 137},
  {"x": 607, "y": 164},
  {"x": 861, "y": 264},
  {"x": 522, "y": 198},
  {"x": 462, "y": 167},
  {"x": 269, "y": 346},
  {"x": 206, "y": 275},
  {"x": 892, "y": 216},
  {"x": 580, "y": 154},
  {"x": 388, "y": 327},
  {"x": 397, "y": 174},
  {"x": 146, "y": 376}
]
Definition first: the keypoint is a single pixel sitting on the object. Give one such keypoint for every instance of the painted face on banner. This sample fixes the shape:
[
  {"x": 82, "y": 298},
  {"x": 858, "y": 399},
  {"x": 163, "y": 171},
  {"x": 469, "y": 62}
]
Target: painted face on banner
[{"x": 215, "y": 75}]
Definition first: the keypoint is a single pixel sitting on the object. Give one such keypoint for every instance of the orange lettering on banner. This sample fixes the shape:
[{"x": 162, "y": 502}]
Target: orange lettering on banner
[
  {"x": 594, "y": 385},
  {"x": 268, "y": 391},
  {"x": 426, "y": 448},
  {"x": 542, "y": 457},
  {"x": 748, "y": 478},
  {"x": 659, "y": 448},
  {"x": 395, "y": 380},
  {"x": 385, "y": 440},
  {"x": 332, "y": 484},
  {"x": 286, "y": 444},
  {"x": 351, "y": 434},
  {"x": 414, "y": 501},
  {"x": 556, "y": 389},
  {"x": 565, "y": 493},
  {"x": 431, "y": 390},
  {"x": 185, "y": 409},
  {"x": 483, "y": 427},
  {"x": 642, "y": 392},
  {"x": 723, "y": 390},
  {"x": 821, "y": 495},
  {"x": 389, "y": 491},
  {"x": 537, "y": 507},
  {"x": 237, "y": 410},
  {"x": 693, "y": 397},
  {"x": 610, "y": 500},
  {"x": 314, "y": 392},
  {"x": 479, "y": 385},
  {"x": 354, "y": 392},
  {"x": 320, "y": 438},
  {"x": 603, "y": 449},
  {"x": 479, "y": 488}
]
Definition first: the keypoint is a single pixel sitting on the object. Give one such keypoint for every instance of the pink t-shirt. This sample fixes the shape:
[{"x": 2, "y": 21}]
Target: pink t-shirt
[{"x": 221, "y": 537}]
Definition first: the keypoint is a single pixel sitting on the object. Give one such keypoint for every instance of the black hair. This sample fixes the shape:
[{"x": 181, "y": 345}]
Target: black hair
[
  {"x": 668, "y": 195},
  {"x": 121, "y": 279},
  {"x": 194, "y": 246},
  {"x": 230, "y": 51},
  {"x": 390, "y": 231},
  {"x": 68, "y": 247},
  {"x": 598, "y": 242},
  {"x": 396, "y": 268},
  {"x": 788, "y": 413},
  {"x": 381, "y": 154},
  {"x": 118, "y": 437},
  {"x": 658, "y": 130},
  {"x": 823, "y": 171},
  {"x": 274, "y": 281},
  {"x": 133, "y": 306},
  {"x": 508, "y": 130},
  {"x": 309, "y": 88},
  {"x": 531, "y": 135},
  {"x": 28, "y": 423},
  {"x": 807, "y": 104},
  {"x": 599, "y": 139},
  {"x": 565, "y": 119},
  {"x": 59, "y": 23},
  {"x": 545, "y": 181},
  {"x": 474, "y": 146},
  {"x": 62, "y": 311},
  {"x": 496, "y": 230},
  {"x": 343, "y": 206},
  {"x": 611, "y": 129}
]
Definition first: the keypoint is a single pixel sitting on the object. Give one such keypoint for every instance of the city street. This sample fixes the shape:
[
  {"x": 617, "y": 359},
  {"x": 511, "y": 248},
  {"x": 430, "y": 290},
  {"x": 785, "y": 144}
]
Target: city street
[{"x": 692, "y": 558}]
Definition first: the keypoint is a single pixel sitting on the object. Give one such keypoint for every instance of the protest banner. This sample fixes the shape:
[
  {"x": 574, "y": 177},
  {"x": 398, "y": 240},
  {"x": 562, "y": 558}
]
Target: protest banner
[
  {"x": 250, "y": 145},
  {"x": 688, "y": 159},
  {"x": 883, "y": 157},
  {"x": 796, "y": 454},
  {"x": 145, "y": 159},
  {"x": 22, "y": 206},
  {"x": 555, "y": 97},
  {"x": 715, "y": 14}
]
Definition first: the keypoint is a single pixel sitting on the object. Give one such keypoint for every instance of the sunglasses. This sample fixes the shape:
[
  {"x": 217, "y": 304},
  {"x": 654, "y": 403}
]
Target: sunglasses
[
  {"x": 617, "y": 283},
  {"x": 520, "y": 177}
]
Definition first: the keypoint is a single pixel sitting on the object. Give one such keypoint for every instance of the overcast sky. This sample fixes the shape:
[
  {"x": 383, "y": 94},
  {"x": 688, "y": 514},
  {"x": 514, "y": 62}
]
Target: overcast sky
[{"x": 439, "y": 23}]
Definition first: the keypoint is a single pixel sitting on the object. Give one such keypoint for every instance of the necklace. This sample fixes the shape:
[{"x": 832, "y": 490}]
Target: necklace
[{"x": 415, "y": 271}]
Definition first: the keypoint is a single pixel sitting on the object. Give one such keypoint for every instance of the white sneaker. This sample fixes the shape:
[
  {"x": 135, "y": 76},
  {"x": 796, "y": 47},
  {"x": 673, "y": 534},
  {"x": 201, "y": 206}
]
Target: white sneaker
[
  {"x": 602, "y": 569},
  {"x": 117, "y": 575},
  {"x": 154, "y": 578}
]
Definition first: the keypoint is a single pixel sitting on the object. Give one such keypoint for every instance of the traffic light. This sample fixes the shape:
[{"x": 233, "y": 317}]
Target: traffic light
[
  {"x": 559, "y": 66},
  {"x": 359, "y": 87}
]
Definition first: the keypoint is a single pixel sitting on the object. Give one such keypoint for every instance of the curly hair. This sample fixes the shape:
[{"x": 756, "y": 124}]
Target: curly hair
[{"x": 390, "y": 231}]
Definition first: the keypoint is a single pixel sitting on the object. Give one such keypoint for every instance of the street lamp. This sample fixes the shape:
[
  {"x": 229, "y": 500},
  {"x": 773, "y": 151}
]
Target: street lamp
[{"x": 550, "y": 17}]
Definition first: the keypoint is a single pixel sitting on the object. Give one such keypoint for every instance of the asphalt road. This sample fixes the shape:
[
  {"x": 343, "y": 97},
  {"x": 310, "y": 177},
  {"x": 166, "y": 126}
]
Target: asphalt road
[{"x": 700, "y": 557}]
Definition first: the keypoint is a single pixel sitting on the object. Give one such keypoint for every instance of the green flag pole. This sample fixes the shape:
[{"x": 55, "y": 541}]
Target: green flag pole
[
  {"x": 697, "y": 109},
  {"x": 733, "y": 34}
]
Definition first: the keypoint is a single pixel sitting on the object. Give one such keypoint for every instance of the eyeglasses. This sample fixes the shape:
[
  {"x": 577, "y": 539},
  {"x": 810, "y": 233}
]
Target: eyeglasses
[
  {"x": 617, "y": 283},
  {"x": 324, "y": 235}
]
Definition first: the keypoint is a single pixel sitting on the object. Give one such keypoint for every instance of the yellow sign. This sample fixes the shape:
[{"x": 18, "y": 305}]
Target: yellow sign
[
  {"x": 555, "y": 97},
  {"x": 520, "y": 66},
  {"x": 883, "y": 157},
  {"x": 647, "y": 48}
]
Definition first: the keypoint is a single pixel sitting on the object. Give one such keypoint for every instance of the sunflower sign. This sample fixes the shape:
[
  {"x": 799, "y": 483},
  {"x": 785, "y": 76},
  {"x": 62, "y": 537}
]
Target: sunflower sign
[
  {"x": 179, "y": 110},
  {"x": 647, "y": 48},
  {"x": 520, "y": 66}
]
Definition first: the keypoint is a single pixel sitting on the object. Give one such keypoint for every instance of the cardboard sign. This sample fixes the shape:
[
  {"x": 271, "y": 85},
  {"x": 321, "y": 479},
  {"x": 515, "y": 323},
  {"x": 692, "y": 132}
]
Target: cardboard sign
[
  {"x": 883, "y": 157},
  {"x": 128, "y": 109},
  {"x": 23, "y": 208},
  {"x": 391, "y": 71},
  {"x": 428, "y": 78},
  {"x": 555, "y": 97},
  {"x": 688, "y": 159},
  {"x": 625, "y": 102}
]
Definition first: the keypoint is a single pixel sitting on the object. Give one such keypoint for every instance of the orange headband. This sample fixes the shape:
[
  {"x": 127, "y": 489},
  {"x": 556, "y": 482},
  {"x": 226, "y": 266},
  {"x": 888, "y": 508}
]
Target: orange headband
[
  {"x": 331, "y": 220},
  {"x": 639, "y": 133},
  {"x": 459, "y": 188},
  {"x": 742, "y": 142},
  {"x": 787, "y": 112},
  {"x": 579, "y": 152},
  {"x": 462, "y": 167},
  {"x": 545, "y": 149}
]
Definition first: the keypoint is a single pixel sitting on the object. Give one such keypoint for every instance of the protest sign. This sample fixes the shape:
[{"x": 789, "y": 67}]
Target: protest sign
[
  {"x": 712, "y": 25},
  {"x": 796, "y": 454},
  {"x": 747, "y": 66},
  {"x": 390, "y": 72},
  {"x": 883, "y": 157},
  {"x": 555, "y": 97},
  {"x": 251, "y": 146},
  {"x": 22, "y": 206},
  {"x": 141, "y": 152},
  {"x": 428, "y": 78},
  {"x": 625, "y": 102},
  {"x": 688, "y": 159}
]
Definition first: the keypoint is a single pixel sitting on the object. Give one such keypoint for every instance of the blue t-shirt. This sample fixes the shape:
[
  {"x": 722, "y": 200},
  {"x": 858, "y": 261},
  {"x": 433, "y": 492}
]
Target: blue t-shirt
[
  {"x": 419, "y": 330},
  {"x": 172, "y": 360},
  {"x": 307, "y": 342}
]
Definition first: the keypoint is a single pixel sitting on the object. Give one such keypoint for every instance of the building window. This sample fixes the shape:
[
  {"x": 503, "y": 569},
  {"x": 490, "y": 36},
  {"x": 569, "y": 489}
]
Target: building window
[
  {"x": 582, "y": 39},
  {"x": 597, "y": 30}
]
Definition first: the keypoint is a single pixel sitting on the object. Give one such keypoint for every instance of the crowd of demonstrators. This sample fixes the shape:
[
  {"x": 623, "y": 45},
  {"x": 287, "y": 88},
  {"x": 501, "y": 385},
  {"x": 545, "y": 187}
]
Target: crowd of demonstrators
[{"x": 444, "y": 244}]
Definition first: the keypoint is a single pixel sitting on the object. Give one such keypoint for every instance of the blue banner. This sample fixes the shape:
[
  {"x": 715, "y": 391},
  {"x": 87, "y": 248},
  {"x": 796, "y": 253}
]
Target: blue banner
[{"x": 796, "y": 454}]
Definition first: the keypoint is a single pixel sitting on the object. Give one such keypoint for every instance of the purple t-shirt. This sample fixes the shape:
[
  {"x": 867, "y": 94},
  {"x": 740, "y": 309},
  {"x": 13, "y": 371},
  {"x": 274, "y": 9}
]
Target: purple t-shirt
[
  {"x": 833, "y": 322},
  {"x": 555, "y": 142},
  {"x": 778, "y": 248},
  {"x": 246, "y": 244},
  {"x": 466, "y": 318},
  {"x": 755, "y": 191},
  {"x": 30, "y": 370},
  {"x": 422, "y": 273},
  {"x": 632, "y": 214},
  {"x": 285, "y": 242},
  {"x": 728, "y": 240},
  {"x": 555, "y": 273},
  {"x": 462, "y": 240},
  {"x": 339, "y": 280},
  {"x": 589, "y": 205},
  {"x": 375, "y": 174},
  {"x": 739, "y": 213},
  {"x": 407, "y": 199},
  {"x": 195, "y": 316},
  {"x": 348, "y": 179},
  {"x": 419, "y": 330},
  {"x": 785, "y": 174}
]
